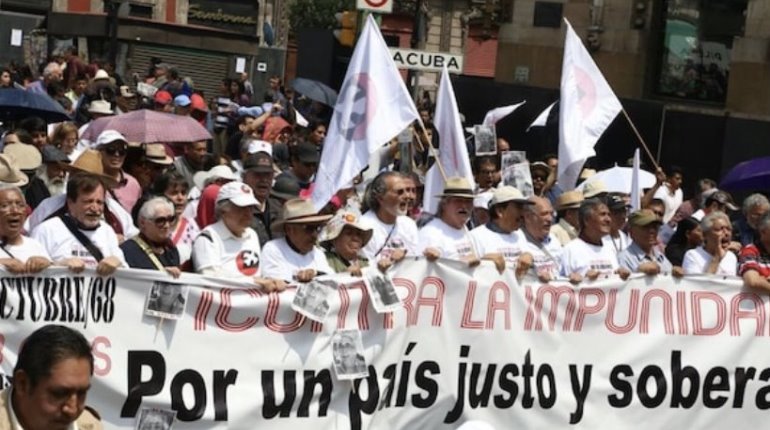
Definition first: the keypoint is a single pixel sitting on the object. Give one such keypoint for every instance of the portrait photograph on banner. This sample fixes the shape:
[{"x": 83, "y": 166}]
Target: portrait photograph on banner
[
  {"x": 312, "y": 298},
  {"x": 166, "y": 300},
  {"x": 381, "y": 290},
  {"x": 155, "y": 419},
  {"x": 348, "y": 353}
]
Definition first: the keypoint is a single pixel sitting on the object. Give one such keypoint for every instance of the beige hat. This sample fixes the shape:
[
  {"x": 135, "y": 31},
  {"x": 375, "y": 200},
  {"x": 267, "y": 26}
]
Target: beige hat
[
  {"x": 156, "y": 153},
  {"x": 569, "y": 200},
  {"x": 507, "y": 194},
  {"x": 9, "y": 173},
  {"x": 594, "y": 188},
  {"x": 345, "y": 217},
  {"x": 101, "y": 74},
  {"x": 457, "y": 186},
  {"x": 90, "y": 162},
  {"x": 586, "y": 173},
  {"x": 26, "y": 156},
  {"x": 643, "y": 218},
  {"x": 100, "y": 106},
  {"x": 299, "y": 211}
]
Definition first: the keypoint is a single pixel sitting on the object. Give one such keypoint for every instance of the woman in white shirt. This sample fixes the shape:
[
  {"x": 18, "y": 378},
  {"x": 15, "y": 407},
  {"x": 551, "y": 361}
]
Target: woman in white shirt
[{"x": 712, "y": 257}]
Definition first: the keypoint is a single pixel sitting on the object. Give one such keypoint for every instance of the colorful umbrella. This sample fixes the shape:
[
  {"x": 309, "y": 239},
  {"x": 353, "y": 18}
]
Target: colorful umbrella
[{"x": 147, "y": 126}]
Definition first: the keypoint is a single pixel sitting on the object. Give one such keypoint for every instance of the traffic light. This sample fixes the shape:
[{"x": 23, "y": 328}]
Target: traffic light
[{"x": 346, "y": 27}]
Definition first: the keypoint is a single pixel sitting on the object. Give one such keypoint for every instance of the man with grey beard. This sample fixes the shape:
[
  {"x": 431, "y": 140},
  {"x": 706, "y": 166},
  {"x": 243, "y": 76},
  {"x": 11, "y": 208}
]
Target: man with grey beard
[{"x": 50, "y": 178}]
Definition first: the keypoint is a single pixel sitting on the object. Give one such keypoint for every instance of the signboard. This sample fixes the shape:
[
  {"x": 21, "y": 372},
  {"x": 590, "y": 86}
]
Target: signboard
[
  {"x": 379, "y": 6},
  {"x": 426, "y": 61},
  {"x": 233, "y": 15}
]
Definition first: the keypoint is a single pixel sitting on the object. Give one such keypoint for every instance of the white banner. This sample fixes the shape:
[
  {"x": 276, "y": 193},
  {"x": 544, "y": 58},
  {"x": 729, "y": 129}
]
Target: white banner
[{"x": 465, "y": 345}]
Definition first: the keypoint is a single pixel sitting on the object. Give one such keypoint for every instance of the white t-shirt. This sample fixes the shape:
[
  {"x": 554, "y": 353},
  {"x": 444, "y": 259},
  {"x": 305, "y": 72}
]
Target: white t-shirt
[
  {"x": 216, "y": 251},
  {"x": 490, "y": 242},
  {"x": 49, "y": 206},
  {"x": 580, "y": 256},
  {"x": 672, "y": 201},
  {"x": 404, "y": 236},
  {"x": 280, "y": 261},
  {"x": 618, "y": 244},
  {"x": 547, "y": 260},
  {"x": 61, "y": 243},
  {"x": 27, "y": 248},
  {"x": 451, "y": 242},
  {"x": 697, "y": 260}
]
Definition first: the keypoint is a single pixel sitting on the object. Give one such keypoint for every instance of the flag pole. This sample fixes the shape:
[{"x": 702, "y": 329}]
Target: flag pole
[
  {"x": 641, "y": 140},
  {"x": 433, "y": 151}
]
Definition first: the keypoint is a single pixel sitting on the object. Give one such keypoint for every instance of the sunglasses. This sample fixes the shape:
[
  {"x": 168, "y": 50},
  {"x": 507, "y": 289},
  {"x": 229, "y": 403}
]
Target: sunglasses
[
  {"x": 161, "y": 221},
  {"x": 115, "y": 151}
]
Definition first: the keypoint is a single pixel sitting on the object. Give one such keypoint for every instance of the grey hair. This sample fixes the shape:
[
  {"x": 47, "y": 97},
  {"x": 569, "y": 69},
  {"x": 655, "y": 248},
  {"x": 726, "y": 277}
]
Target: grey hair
[
  {"x": 764, "y": 222},
  {"x": 50, "y": 68},
  {"x": 221, "y": 207},
  {"x": 587, "y": 208},
  {"x": 150, "y": 207},
  {"x": 755, "y": 200},
  {"x": 707, "y": 223},
  {"x": 4, "y": 187},
  {"x": 376, "y": 189}
]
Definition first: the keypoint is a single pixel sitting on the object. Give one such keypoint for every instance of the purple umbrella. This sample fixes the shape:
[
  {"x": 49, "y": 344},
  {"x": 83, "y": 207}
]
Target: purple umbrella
[
  {"x": 748, "y": 175},
  {"x": 146, "y": 126}
]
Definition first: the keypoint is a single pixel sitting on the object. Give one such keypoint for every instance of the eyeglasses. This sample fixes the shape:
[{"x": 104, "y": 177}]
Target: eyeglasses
[
  {"x": 161, "y": 221},
  {"x": 115, "y": 151}
]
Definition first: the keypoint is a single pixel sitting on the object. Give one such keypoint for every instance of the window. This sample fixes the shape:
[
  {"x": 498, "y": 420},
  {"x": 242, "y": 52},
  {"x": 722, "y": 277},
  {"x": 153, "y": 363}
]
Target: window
[{"x": 696, "y": 44}]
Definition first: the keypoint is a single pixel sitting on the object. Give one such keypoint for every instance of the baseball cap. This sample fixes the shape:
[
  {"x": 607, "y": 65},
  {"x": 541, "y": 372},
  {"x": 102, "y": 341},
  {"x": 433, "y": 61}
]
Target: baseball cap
[
  {"x": 722, "y": 198},
  {"x": 182, "y": 100},
  {"x": 125, "y": 92},
  {"x": 108, "y": 136},
  {"x": 197, "y": 103},
  {"x": 308, "y": 153},
  {"x": 643, "y": 218},
  {"x": 616, "y": 202},
  {"x": 259, "y": 146},
  {"x": 507, "y": 194},
  {"x": 261, "y": 162},
  {"x": 162, "y": 97},
  {"x": 238, "y": 194}
]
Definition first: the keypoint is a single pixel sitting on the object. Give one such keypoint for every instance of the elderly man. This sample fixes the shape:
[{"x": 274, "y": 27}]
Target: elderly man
[
  {"x": 617, "y": 239},
  {"x": 567, "y": 206},
  {"x": 152, "y": 249},
  {"x": 643, "y": 255},
  {"x": 18, "y": 253},
  {"x": 50, "y": 178},
  {"x": 229, "y": 247},
  {"x": 538, "y": 241},
  {"x": 498, "y": 236},
  {"x": 114, "y": 148},
  {"x": 714, "y": 255},
  {"x": 587, "y": 256},
  {"x": 395, "y": 234},
  {"x": 191, "y": 161},
  {"x": 51, "y": 380},
  {"x": 78, "y": 237},
  {"x": 296, "y": 256},
  {"x": 51, "y": 73},
  {"x": 258, "y": 174},
  {"x": 754, "y": 259},
  {"x": 446, "y": 236},
  {"x": 746, "y": 230}
]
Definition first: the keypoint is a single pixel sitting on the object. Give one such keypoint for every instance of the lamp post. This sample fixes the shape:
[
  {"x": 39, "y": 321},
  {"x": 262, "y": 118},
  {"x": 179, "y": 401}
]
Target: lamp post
[{"x": 111, "y": 7}]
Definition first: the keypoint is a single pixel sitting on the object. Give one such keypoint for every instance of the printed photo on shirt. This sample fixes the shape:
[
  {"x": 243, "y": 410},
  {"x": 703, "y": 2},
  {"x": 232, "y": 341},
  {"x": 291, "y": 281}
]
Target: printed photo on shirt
[
  {"x": 166, "y": 300},
  {"x": 381, "y": 290},
  {"x": 349, "y": 360},
  {"x": 485, "y": 139},
  {"x": 312, "y": 298},
  {"x": 155, "y": 419}
]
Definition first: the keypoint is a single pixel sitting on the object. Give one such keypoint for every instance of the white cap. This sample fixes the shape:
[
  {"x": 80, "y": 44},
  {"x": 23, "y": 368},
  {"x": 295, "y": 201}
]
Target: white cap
[
  {"x": 238, "y": 194},
  {"x": 101, "y": 74},
  {"x": 100, "y": 106},
  {"x": 217, "y": 172},
  {"x": 108, "y": 136},
  {"x": 259, "y": 145}
]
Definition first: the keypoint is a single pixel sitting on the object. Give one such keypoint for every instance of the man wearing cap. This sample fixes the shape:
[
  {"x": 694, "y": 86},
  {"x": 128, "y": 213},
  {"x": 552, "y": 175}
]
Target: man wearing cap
[
  {"x": 446, "y": 236},
  {"x": 617, "y": 239},
  {"x": 303, "y": 163},
  {"x": 544, "y": 181},
  {"x": 643, "y": 255},
  {"x": 567, "y": 206},
  {"x": 182, "y": 105},
  {"x": 163, "y": 102},
  {"x": 717, "y": 201},
  {"x": 114, "y": 148},
  {"x": 587, "y": 256},
  {"x": 498, "y": 237},
  {"x": 50, "y": 177},
  {"x": 78, "y": 237},
  {"x": 258, "y": 174},
  {"x": 191, "y": 161},
  {"x": 229, "y": 247},
  {"x": 126, "y": 100},
  {"x": 207, "y": 184},
  {"x": 18, "y": 253},
  {"x": 296, "y": 255},
  {"x": 537, "y": 240}
]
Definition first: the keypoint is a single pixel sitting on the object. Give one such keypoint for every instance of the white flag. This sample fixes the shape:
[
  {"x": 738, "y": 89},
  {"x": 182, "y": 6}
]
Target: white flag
[
  {"x": 453, "y": 152},
  {"x": 541, "y": 119},
  {"x": 636, "y": 194},
  {"x": 587, "y": 106},
  {"x": 499, "y": 113},
  {"x": 372, "y": 108}
]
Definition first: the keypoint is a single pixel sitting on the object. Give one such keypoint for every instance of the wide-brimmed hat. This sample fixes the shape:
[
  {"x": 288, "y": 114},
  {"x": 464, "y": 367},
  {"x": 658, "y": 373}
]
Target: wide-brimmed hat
[
  {"x": 26, "y": 157},
  {"x": 344, "y": 217},
  {"x": 9, "y": 173},
  {"x": 507, "y": 194},
  {"x": 457, "y": 187},
  {"x": 237, "y": 193},
  {"x": 594, "y": 188},
  {"x": 156, "y": 153},
  {"x": 100, "y": 106},
  {"x": 299, "y": 211},
  {"x": 217, "y": 172},
  {"x": 643, "y": 218},
  {"x": 90, "y": 162},
  {"x": 569, "y": 200},
  {"x": 285, "y": 188}
]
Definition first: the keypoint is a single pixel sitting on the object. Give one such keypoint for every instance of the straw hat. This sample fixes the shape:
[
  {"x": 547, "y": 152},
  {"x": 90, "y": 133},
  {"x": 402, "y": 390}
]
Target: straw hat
[
  {"x": 569, "y": 200},
  {"x": 156, "y": 153},
  {"x": 90, "y": 162},
  {"x": 299, "y": 211},
  {"x": 9, "y": 173},
  {"x": 507, "y": 194},
  {"x": 344, "y": 217},
  {"x": 26, "y": 156},
  {"x": 100, "y": 106},
  {"x": 457, "y": 187},
  {"x": 594, "y": 188}
]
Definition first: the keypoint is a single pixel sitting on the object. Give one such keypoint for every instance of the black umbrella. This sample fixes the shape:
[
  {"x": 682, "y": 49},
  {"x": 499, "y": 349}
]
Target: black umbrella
[
  {"x": 315, "y": 90},
  {"x": 17, "y": 104}
]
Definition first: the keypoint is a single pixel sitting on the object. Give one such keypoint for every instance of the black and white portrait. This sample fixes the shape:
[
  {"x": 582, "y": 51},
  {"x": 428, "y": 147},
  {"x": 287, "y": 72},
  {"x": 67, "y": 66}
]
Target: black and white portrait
[
  {"x": 155, "y": 419},
  {"x": 509, "y": 158},
  {"x": 312, "y": 298},
  {"x": 166, "y": 300},
  {"x": 381, "y": 290},
  {"x": 485, "y": 140},
  {"x": 349, "y": 360},
  {"x": 523, "y": 179}
]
